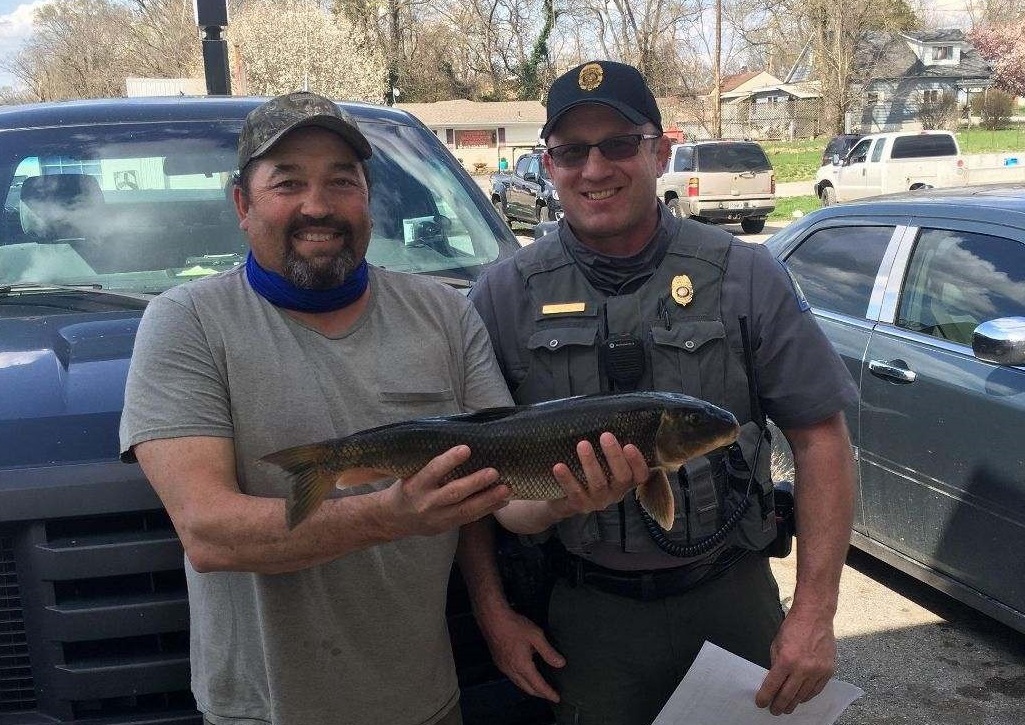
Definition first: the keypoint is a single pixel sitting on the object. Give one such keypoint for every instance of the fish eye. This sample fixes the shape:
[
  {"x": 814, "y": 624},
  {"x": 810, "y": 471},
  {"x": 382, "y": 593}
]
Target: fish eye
[{"x": 692, "y": 419}]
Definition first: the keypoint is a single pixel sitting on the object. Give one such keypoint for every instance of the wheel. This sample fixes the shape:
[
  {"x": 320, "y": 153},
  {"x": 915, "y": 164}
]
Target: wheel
[
  {"x": 500, "y": 208},
  {"x": 677, "y": 209},
  {"x": 827, "y": 196},
  {"x": 752, "y": 226}
]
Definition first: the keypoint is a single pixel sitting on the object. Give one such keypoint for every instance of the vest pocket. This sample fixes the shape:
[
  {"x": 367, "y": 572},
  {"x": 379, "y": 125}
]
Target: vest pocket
[
  {"x": 687, "y": 359},
  {"x": 563, "y": 362}
]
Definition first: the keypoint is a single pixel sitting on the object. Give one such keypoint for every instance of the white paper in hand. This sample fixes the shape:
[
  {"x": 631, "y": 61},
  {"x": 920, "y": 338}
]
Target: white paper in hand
[{"x": 720, "y": 688}]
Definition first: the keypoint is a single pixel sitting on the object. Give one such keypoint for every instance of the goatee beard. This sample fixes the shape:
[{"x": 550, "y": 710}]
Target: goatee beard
[{"x": 321, "y": 273}]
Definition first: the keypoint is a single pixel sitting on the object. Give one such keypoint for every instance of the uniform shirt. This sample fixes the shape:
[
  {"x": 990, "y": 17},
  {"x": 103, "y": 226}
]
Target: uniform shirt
[{"x": 801, "y": 379}]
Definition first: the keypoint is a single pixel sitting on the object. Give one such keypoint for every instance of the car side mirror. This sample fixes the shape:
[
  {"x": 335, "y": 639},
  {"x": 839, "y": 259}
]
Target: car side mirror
[
  {"x": 1000, "y": 341},
  {"x": 530, "y": 176}
]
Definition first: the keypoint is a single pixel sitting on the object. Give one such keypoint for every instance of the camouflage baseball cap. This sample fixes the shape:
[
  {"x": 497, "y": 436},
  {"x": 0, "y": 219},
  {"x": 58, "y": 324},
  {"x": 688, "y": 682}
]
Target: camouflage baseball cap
[{"x": 267, "y": 124}]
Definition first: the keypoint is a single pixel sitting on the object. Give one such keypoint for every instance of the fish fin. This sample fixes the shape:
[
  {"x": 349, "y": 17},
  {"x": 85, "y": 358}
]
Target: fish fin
[
  {"x": 656, "y": 497},
  {"x": 311, "y": 479}
]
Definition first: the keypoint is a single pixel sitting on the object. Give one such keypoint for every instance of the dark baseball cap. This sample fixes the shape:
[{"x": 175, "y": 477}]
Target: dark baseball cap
[
  {"x": 268, "y": 123},
  {"x": 616, "y": 85}
]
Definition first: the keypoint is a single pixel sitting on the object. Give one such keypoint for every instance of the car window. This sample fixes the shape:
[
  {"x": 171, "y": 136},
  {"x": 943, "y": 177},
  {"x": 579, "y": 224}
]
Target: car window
[
  {"x": 877, "y": 150},
  {"x": 836, "y": 267},
  {"x": 684, "y": 159},
  {"x": 143, "y": 207},
  {"x": 860, "y": 152},
  {"x": 731, "y": 157},
  {"x": 931, "y": 144},
  {"x": 957, "y": 280},
  {"x": 522, "y": 165},
  {"x": 532, "y": 168}
]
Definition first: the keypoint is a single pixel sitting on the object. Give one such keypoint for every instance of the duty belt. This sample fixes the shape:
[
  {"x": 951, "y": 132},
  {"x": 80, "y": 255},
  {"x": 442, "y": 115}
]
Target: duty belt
[{"x": 645, "y": 585}]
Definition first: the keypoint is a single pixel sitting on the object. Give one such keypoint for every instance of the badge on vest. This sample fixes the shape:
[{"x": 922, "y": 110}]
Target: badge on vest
[{"x": 682, "y": 289}]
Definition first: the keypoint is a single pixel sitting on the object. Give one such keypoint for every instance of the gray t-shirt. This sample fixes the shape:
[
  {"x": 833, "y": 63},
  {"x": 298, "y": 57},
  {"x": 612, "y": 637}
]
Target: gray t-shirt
[{"x": 362, "y": 639}]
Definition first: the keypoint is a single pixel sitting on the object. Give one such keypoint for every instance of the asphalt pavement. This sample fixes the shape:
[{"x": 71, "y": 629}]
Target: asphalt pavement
[{"x": 921, "y": 657}]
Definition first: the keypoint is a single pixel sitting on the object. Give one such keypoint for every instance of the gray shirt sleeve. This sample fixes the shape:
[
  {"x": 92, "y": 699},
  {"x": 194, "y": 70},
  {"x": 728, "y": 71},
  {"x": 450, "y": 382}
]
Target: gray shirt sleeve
[
  {"x": 175, "y": 388},
  {"x": 801, "y": 378}
]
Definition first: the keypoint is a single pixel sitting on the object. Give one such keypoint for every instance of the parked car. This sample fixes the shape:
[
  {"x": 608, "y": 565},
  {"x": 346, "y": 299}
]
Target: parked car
[
  {"x": 526, "y": 194},
  {"x": 838, "y": 147},
  {"x": 108, "y": 203},
  {"x": 923, "y": 296},
  {"x": 888, "y": 163},
  {"x": 719, "y": 182}
]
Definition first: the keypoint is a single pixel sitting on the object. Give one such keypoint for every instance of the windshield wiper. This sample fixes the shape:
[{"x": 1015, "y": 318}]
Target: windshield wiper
[{"x": 9, "y": 289}]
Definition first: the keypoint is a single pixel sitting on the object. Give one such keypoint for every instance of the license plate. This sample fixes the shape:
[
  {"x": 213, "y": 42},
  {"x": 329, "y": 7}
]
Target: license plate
[{"x": 734, "y": 205}]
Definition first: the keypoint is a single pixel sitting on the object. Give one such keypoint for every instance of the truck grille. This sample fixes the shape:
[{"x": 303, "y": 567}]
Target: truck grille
[
  {"x": 16, "y": 687},
  {"x": 98, "y": 605}
]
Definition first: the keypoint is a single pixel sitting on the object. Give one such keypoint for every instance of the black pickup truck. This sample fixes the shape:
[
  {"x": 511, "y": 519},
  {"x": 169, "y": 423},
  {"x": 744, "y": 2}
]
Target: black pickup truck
[
  {"x": 526, "y": 194},
  {"x": 108, "y": 203}
]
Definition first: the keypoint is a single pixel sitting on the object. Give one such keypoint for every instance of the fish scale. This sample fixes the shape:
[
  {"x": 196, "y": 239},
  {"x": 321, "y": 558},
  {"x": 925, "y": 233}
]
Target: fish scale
[{"x": 522, "y": 442}]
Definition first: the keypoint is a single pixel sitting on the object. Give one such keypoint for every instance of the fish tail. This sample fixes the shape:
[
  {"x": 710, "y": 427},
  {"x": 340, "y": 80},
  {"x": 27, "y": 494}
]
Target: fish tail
[
  {"x": 311, "y": 479},
  {"x": 656, "y": 497}
]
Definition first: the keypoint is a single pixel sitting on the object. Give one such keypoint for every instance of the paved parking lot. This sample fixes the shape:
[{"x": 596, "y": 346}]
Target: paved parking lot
[{"x": 920, "y": 657}]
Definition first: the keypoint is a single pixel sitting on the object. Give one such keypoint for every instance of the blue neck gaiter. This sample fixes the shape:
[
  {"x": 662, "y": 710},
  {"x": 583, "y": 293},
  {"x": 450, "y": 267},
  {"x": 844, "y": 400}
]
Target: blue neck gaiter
[{"x": 280, "y": 292}]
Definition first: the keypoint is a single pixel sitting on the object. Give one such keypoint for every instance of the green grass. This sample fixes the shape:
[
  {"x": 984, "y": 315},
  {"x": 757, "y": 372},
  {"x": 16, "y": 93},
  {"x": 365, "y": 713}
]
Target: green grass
[
  {"x": 795, "y": 160},
  {"x": 981, "y": 141},
  {"x": 785, "y": 206}
]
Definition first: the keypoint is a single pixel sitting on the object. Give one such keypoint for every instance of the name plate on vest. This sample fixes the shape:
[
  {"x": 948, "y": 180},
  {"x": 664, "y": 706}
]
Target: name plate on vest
[{"x": 563, "y": 308}]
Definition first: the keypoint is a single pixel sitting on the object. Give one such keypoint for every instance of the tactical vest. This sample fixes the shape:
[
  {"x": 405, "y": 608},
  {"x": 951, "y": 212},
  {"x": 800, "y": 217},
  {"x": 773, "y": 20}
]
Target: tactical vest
[{"x": 674, "y": 321}]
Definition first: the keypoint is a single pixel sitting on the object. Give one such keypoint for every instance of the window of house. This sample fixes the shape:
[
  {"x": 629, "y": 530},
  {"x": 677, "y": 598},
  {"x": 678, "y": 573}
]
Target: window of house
[
  {"x": 943, "y": 52},
  {"x": 932, "y": 95},
  {"x": 475, "y": 138},
  {"x": 874, "y": 98}
]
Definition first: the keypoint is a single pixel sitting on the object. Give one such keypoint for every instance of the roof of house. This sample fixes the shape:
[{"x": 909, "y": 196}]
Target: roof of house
[
  {"x": 462, "y": 112},
  {"x": 728, "y": 83},
  {"x": 890, "y": 57}
]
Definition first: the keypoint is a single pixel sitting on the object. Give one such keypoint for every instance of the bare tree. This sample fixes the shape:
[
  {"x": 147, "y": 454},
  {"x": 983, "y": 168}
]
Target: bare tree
[
  {"x": 288, "y": 45},
  {"x": 75, "y": 51}
]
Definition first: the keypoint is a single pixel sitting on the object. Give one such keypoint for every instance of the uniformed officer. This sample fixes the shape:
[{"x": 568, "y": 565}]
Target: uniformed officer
[{"x": 623, "y": 296}]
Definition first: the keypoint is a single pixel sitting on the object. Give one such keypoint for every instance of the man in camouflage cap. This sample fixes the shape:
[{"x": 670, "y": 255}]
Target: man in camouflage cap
[{"x": 342, "y": 619}]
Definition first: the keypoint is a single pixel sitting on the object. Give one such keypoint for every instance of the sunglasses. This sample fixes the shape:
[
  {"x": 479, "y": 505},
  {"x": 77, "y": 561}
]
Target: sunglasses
[{"x": 616, "y": 148}]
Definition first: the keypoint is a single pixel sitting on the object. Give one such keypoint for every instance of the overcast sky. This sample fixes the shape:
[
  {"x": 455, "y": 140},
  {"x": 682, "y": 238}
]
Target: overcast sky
[{"x": 16, "y": 19}]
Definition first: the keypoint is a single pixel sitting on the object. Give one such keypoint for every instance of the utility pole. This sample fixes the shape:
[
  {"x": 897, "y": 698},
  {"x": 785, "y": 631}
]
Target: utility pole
[
  {"x": 212, "y": 18},
  {"x": 717, "y": 74}
]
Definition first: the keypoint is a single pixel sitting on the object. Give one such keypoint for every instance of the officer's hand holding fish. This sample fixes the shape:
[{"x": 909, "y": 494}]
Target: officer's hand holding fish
[{"x": 524, "y": 444}]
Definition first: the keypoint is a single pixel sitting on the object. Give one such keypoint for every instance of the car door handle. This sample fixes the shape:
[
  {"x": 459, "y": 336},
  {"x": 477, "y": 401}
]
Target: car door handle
[{"x": 895, "y": 370}]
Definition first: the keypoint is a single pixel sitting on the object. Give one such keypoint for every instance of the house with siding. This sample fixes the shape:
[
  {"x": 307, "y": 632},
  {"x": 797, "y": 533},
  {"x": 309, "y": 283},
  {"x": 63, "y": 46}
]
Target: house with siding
[
  {"x": 481, "y": 134},
  {"x": 759, "y": 105},
  {"x": 908, "y": 81},
  {"x": 920, "y": 79}
]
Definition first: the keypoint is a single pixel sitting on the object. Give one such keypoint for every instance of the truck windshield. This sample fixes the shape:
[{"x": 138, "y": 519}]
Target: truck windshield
[{"x": 141, "y": 207}]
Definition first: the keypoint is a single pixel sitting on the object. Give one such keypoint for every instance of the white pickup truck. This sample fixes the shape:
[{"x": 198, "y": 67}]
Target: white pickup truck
[{"x": 885, "y": 163}]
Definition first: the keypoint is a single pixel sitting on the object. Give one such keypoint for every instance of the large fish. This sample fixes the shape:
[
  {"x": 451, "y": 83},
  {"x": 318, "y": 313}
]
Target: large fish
[{"x": 521, "y": 442}]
